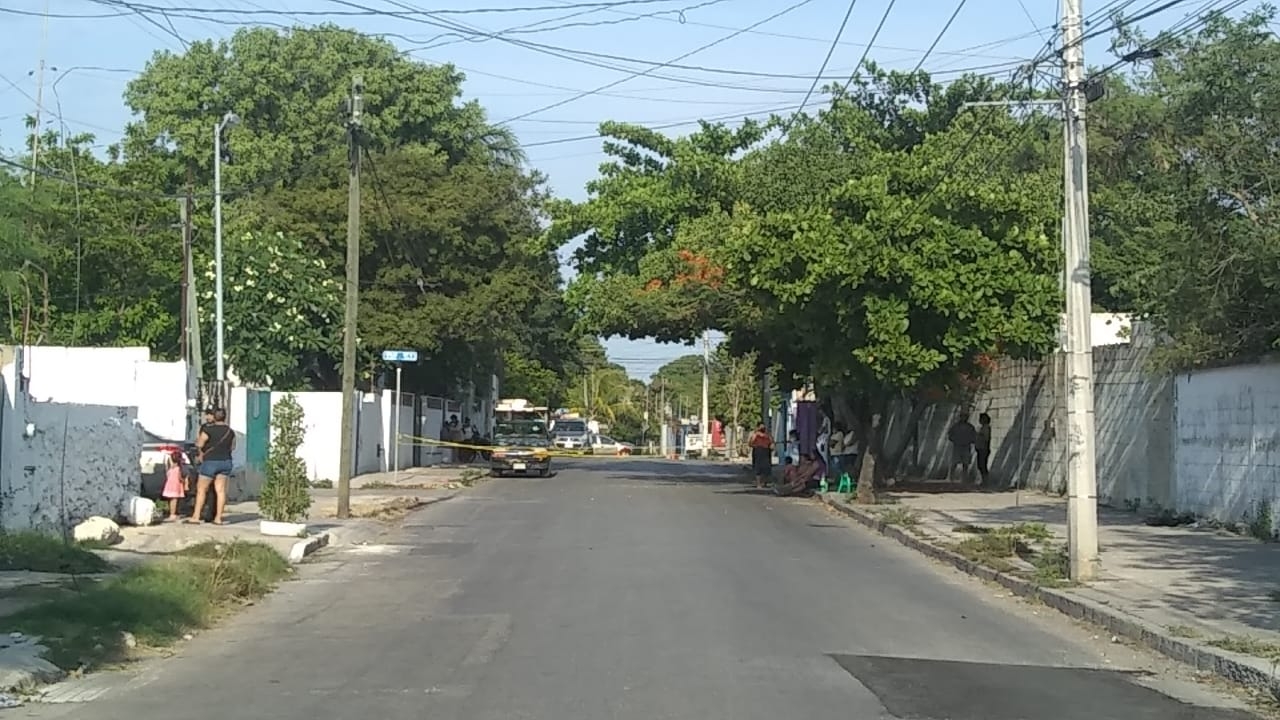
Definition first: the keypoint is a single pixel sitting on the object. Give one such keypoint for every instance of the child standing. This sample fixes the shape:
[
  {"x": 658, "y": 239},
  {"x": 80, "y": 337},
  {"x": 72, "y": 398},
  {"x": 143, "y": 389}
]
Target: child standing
[{"x": 175, "y": 485}]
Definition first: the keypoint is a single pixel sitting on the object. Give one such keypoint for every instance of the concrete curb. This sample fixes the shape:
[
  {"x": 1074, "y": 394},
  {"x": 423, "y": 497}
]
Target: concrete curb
[
  {"x": 360, "y": 531},
  {"x": 303, "y": 548},
  {"x": 1241, "y": 669}
]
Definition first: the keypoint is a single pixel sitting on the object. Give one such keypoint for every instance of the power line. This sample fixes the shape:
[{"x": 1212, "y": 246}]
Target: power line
[
  {"x": 938, "y": 39},
  {"x": 825, "y": 61},
  {"x": 676, "y": 59},
  {"x": 870, "y": 43}
]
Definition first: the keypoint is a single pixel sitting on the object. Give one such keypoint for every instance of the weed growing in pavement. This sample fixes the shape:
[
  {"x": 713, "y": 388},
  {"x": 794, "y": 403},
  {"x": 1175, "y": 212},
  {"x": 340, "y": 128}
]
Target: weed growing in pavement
[
  {"x": 1051, "y": 567},
  {"x": 153, "y": 605},
  {"x": 995, "y": 550},
  {"x": 44, "y": 553},
  {"x": 1030, "y": 531},
  {"x": 1249, "y": 646},
  {"x": 903, "y": 516},
  {"x": 322, "y": 484},
  {"x": 1183, "y": 631}
]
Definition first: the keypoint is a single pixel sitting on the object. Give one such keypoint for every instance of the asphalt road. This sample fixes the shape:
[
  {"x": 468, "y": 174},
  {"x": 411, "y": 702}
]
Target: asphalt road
[{"x": 642, "y": 590}]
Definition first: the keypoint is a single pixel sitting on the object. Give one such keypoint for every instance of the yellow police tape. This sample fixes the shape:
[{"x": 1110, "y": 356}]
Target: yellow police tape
[{"x": 549, "y": 452}]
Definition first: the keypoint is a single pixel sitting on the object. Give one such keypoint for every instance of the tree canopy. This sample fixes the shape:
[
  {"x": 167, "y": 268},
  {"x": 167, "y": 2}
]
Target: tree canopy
[
  {"x": 890, "y": 244},
  {"x": 453, "y": 263}
]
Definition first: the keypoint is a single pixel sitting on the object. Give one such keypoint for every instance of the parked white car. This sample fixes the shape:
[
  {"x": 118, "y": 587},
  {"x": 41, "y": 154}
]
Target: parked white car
[{"x": 605, "y": 445}]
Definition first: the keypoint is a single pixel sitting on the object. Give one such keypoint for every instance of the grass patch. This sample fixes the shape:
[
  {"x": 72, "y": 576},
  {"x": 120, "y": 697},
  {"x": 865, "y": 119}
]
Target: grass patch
[
  {"x": 1183, "y": 631},
  {"x": 1029, "y": 530},
  {"x": 44, "y": 553},
  {"x": 903, "y": 516},
  {"x": 1051, "y": 567},
  {"x": 1249, "y": 646},
  {"x": 995, "y": 550},
  {"x": 155, "y": 603}
]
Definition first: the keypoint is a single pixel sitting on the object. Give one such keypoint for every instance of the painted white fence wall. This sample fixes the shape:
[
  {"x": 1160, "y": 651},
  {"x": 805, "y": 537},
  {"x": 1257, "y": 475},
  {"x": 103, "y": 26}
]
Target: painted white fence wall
[
  {"x": 61, "y": 462},
  {"x": 1227, "y": 442}
]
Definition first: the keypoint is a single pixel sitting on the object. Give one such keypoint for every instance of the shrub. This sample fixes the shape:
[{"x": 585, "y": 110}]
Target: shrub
[{"x": 284, "y": 495}]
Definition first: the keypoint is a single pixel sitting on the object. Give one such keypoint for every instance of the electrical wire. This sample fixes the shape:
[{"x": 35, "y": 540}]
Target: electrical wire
[
  {"x": 867, "y": 50},
  {"x": 938, "y": 39},
  {"x": 825, "y": 61},
  {"x": 695, "y": 51}
]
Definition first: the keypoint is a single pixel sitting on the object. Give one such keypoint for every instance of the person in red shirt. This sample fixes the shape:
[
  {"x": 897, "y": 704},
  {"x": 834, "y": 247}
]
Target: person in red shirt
[{"x": 761, "y": 444}]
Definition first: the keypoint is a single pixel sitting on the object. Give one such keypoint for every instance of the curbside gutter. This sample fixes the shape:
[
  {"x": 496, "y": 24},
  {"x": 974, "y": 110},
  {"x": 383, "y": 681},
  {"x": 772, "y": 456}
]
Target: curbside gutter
[
  {"x": 357, "y": 532},
  {"x": 305, "y": 547},
  {"x": 1241, "y": 669}
]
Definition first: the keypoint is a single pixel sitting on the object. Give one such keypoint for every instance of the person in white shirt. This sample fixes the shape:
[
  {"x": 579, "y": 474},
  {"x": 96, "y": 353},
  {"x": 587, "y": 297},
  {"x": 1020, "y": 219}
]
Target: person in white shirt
[{"x": 844, "y": 450}]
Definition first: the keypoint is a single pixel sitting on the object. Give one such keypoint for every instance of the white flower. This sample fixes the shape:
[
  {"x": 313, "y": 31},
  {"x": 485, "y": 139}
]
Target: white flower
[
  {"x": 249, "y": 282},
  {"x": 237, "y": 288},
  {"x": 271, "y": 295}
]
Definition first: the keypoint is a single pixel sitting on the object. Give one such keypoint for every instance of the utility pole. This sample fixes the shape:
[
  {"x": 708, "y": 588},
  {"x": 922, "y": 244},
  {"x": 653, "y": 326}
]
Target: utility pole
[
  {"x": 662, "y": 413},
  {"x": 35, "y": 131},
  {"x": 346, "y": 452},
  {"x": 706, "y": 393},
  {"x": 184, "y": 340},
  {"x": 228, "y": 120},
  {"x": 1082, "y": 483}
]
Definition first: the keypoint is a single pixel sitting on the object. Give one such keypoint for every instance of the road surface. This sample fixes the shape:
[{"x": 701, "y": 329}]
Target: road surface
[{"x": 631, "y": 589}]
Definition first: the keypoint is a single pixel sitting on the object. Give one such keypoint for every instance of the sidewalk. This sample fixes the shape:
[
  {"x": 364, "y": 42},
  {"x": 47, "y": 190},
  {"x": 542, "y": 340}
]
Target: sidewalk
[
  {"x": 1199, "y": 595},
  {"x": 376, "y": 500}
]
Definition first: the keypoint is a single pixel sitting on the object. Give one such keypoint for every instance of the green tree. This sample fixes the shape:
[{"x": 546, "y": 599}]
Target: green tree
[
  {"x": 880, "y": 248},
  {"x": 282, "y": 310},
  {"x": 1192, "y": 243},
  {"x": 451, "y": 246}
]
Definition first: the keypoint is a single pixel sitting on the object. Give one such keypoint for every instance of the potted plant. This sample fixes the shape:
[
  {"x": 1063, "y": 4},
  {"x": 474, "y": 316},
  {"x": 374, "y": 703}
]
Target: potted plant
[{"x": 285, "y": 498}]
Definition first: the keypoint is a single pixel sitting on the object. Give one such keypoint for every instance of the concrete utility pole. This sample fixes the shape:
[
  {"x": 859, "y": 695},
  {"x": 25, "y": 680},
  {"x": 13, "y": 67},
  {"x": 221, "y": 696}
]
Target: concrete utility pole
[
  {"x": 35, "y": 131},
  {"x": 346, "y": 453},
  {"x": 706, "y": 393},
  {"x": 219, "y": 127},
  {"x": 664, "y": 422},
  {"x": 1082, "y": 483}
]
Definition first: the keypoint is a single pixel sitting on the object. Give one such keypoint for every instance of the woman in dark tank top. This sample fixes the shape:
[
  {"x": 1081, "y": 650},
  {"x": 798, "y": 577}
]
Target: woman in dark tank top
[{"x": 216, "y": 443}]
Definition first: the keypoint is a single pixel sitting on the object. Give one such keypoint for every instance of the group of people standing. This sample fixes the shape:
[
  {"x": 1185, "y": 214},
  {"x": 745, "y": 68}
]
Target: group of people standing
[
  {"x": 215, "y": 444},
  {"x": 801, "y": 471}
]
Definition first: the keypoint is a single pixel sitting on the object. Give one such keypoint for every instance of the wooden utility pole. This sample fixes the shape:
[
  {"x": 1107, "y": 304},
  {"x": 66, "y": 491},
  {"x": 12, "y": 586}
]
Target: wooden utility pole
[{"x": 346, "y": 453}]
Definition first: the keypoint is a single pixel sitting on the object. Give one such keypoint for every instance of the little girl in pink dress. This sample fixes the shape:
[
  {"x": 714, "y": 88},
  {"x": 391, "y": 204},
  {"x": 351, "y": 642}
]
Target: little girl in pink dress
[{"x": 175, "y": 485}]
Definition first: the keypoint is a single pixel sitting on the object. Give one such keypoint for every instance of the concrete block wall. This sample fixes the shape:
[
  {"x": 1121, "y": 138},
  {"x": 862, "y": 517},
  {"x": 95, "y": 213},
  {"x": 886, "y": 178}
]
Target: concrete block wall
[
  {"x": 61, "y": 462},
  {"x": 1025, "y": 406},
  {"x": 1133, "y": 419},
  {"x": 1227, "y": 443}
]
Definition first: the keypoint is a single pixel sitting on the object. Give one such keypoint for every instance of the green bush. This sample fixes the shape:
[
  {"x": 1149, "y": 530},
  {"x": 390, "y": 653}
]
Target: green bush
[{"x": 285, "y": 497}]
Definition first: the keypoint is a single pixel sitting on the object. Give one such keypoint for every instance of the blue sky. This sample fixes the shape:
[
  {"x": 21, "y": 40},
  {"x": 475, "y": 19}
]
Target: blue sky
[{"x": 96, "y": 57}]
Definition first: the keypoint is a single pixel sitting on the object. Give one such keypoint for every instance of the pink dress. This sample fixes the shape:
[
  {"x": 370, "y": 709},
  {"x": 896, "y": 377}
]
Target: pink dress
[{"x": 173, "y": 482}]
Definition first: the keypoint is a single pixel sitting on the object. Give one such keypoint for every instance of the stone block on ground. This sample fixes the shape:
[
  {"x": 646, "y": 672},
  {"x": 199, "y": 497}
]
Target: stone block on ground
[{"x": 97, "y": 529}]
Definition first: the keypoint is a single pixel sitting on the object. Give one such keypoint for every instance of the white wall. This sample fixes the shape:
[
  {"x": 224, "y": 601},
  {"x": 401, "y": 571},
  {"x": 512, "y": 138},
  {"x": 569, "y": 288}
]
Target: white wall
[
  {"x": 389, "y": 413},
  {"x": 371, "y": 447},
  {"x": 113, "y": 377},
  {"x": 1227, "y": 442},
  {"x": 61, "y": 462},
  {"x": 321, "y": 418}
]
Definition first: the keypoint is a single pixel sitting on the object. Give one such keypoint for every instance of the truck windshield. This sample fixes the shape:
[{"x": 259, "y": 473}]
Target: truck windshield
[{"x": 570, "y": 427}]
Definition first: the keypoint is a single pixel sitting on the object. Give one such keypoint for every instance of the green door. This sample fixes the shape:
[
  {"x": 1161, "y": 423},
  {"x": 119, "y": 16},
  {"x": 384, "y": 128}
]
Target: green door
[{"x": 257, "y": 440}]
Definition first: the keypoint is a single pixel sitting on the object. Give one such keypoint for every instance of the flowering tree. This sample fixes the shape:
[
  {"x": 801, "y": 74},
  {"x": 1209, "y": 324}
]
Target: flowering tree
[{"x": 282, "y": 310}]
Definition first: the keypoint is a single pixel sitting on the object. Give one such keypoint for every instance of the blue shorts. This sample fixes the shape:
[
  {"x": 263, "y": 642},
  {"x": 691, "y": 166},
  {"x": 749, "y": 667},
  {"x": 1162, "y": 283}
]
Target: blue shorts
[{"x": 214, "y": 468}]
